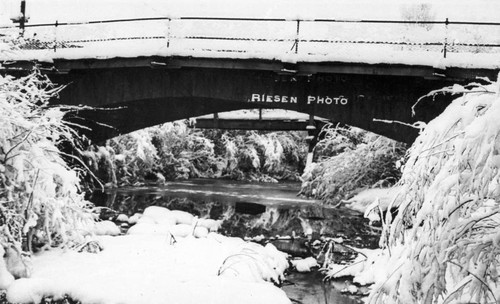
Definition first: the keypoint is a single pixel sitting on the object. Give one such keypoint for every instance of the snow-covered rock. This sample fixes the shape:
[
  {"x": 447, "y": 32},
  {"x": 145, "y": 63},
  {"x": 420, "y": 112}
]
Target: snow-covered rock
[
  {"x": 181, "y": 230},
  {"x": 106, "y": 228},
  {"x": 156, "y": 212},
  {"x": 304, "y": 265},
  {"x": 6, "y": 278},
  {"x": 200, "y": 232},
  {"x": 134, "y": 218},
  {"x": 280, "y": 258},
  {"x": 15, "y": 264},
  {"x": 180, "y": 224},
  {"x": 122, "y": 218},
  {"x": 146, "y": 220},
  {"x": 210, "y": 224},
  {"x": 27, "y": 291},
  {"x": 182, "y": 217},
  {"x": 352, "y": 289}
]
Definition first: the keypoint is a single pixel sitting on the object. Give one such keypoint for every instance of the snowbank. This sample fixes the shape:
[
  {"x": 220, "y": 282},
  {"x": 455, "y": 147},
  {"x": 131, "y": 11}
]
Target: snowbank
[{"x": 152, "y": 267}]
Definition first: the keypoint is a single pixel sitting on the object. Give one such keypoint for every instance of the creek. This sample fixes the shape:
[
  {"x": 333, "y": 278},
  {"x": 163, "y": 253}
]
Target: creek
[{"x": 264, "y": 213}]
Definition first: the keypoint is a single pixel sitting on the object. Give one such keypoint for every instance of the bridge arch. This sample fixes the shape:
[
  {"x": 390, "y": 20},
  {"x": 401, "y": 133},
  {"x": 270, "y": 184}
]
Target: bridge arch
[{"x": 135, "y": 97}]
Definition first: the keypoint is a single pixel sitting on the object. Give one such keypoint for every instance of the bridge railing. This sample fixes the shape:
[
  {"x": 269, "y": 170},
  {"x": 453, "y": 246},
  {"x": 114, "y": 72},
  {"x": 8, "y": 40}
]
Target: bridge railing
[{"x": 390, "y": 41}]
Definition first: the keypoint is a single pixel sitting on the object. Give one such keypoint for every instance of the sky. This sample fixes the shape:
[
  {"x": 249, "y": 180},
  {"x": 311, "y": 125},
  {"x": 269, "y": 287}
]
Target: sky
[{"x": 85, "y": 10}]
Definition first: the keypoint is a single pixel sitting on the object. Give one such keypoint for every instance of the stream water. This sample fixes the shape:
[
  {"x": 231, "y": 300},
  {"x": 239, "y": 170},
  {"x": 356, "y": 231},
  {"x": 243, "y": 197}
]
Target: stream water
[{"x": 271, "y": 212}]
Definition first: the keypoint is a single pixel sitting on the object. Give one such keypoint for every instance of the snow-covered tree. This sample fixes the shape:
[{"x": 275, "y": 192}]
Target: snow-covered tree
[{"x": 40, "y": 201}]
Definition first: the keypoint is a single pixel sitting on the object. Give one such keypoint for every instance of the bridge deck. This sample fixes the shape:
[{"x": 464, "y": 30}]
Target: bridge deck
[{"x": 437, "y": 44}]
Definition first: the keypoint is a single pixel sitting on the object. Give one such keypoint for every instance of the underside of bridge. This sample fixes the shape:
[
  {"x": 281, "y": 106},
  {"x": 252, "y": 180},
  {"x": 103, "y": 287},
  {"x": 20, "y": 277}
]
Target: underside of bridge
[{"x": 128, "y": 95}]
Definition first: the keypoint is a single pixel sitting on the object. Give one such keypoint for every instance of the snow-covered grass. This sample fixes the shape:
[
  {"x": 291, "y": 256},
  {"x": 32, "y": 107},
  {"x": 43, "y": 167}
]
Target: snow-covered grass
[{"x": 155, "y": 266}]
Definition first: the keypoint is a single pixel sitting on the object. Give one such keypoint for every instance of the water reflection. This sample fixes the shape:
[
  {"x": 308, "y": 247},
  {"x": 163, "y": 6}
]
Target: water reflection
[{"x": 247, "y": 209}]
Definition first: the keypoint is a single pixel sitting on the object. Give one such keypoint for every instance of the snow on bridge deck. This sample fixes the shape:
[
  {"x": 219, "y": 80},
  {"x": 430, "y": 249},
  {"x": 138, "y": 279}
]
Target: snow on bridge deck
[{"x": 361, "y": 31}]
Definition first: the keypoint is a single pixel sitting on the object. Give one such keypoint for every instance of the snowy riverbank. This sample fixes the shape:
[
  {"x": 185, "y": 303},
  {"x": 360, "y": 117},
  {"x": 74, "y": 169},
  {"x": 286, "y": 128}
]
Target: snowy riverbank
[{"x": 154, "y": 266}]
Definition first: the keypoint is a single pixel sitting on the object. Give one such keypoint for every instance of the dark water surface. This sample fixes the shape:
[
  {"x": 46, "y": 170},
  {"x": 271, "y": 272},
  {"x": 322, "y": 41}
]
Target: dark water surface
[
  {"x": 269, "y": 194},
  {"x": 272, "y": 211}
]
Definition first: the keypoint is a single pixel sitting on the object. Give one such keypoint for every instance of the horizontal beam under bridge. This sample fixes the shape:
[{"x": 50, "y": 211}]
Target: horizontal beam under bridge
[{"x": 248, "y": 124}]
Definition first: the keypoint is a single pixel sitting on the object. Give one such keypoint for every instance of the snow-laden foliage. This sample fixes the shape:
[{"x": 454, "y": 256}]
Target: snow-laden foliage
[
  {"x": 39, "y": 195},
  {"x": 167, "y": 151},
  {"x": 126, "y": 158},
  {"x": 355, "y": 159},
  {"x": 264, "y": 156},
  {"x": 174, "y": 151},
  {"x": 449, "y": 213},
  {"x": 184, "y": 152}
]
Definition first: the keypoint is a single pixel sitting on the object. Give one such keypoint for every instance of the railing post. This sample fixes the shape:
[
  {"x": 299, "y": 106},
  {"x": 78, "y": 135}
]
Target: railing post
[
  {"x": 445, "y": 37},
  {"x": 22, "y": 21},
  {"x": 168, "y": 32},
  {"x": 55, "y": 35},
  {"x": 297, "y": 37}
]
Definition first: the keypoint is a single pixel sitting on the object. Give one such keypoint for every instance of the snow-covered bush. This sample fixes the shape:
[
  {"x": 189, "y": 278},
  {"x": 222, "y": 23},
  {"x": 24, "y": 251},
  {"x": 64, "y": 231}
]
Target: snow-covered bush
[
  {"x": 358, "y": 159},
  {"x": 184, "y": 153},
  {"x": 39, "y": 194},
  {"x": 174, "y": 151},
  {"x": 262, "y": 156},
  {"x": 170, "y": 150},
  {"x": 449, "y": 213}
]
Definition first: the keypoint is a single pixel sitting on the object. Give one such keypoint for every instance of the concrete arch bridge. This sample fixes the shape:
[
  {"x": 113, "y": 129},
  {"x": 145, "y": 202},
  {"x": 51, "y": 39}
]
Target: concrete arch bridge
[{"x": 143, "y": 72}]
